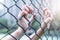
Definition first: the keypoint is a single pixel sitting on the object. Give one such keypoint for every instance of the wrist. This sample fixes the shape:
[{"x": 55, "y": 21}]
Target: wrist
[
  {"x": 18, "y": 33},
  {"x": 43, "y": 25},
  {"x": 19, "y": 30}
]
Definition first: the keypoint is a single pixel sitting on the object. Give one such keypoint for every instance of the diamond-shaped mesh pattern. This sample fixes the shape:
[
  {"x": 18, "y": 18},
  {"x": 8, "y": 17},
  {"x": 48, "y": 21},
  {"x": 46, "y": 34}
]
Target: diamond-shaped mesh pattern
[{"x": 11, "y": 8}]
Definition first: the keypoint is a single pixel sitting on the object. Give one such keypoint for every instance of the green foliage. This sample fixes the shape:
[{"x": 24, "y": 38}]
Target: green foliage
[
  {"x": 35, "y": 24},
  {"x": 4, "y": 22},
  {"x": 4, "y": 30}
]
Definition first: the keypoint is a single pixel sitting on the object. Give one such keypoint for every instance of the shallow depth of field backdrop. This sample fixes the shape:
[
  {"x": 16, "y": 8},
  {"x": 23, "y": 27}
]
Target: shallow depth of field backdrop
[{"x": 9, "y": 10}]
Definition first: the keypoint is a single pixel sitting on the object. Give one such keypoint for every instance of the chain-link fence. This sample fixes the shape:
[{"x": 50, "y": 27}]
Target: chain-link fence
[{"x": 11, "y": 8}]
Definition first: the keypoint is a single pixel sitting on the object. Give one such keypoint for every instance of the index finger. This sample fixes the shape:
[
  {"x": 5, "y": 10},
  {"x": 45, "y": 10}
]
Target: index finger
[{"x": 30, "y": 9}]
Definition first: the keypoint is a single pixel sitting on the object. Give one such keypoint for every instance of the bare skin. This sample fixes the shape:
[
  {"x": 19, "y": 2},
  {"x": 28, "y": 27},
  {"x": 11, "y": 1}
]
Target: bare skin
[
  {"x": 24, "y": 23},
  {"x": 47, "y": 20}
]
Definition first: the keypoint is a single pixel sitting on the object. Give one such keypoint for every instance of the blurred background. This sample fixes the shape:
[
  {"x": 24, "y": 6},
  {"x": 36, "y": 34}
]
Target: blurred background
[{"x": 9, "y": 10}]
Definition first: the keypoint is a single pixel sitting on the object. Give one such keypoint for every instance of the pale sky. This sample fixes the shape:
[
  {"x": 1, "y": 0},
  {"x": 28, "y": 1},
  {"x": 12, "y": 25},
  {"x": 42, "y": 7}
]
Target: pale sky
[
  {"x": 56, "y": 5},
  {"x": 1, "y": 7},
  {"x": 56, "y": 8}
]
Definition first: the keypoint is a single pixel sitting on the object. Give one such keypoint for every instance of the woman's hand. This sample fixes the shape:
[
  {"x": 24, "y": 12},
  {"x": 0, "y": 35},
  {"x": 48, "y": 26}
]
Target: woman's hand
[
  {"x": 25, "y": 11},
  {"x": 47, "y": 15}
]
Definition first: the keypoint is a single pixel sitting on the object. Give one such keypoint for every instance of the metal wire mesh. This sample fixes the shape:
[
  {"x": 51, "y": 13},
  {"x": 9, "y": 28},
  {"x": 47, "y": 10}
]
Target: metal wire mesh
[{"x": 37, "y": 5}]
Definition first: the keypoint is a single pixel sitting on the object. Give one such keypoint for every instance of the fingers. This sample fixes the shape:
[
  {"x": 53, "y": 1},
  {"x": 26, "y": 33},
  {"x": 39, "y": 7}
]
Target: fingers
[
  {"x": 30, "y": 9},
  {"x": 22, "y": 13},
  {"x": 46, "y": 13},
  {"x": 43, "y": 12},
  {"x": 48, "y": 20},
  {"x": 25, "y": 8},
  {"x": 25, "y": 11}
]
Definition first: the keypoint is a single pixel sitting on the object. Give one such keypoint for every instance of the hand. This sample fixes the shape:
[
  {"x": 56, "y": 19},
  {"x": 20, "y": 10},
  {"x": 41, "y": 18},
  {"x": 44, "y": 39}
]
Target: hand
[
  {"x": 25, "y": 11},
  {"x": 47, "y": 15}
]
